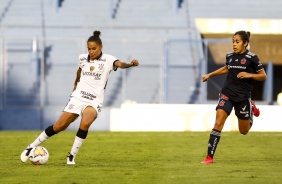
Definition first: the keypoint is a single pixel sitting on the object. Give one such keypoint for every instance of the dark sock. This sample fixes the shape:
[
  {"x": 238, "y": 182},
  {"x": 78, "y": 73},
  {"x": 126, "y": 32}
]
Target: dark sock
[
  {"x": 50, "y": 131},
  {"x": 213, "y": 141},
  {"x": 82, "y": 133}
]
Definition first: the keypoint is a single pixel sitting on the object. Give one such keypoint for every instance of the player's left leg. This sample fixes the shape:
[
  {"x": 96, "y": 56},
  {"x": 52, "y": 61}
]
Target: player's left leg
[
  {"x": 244, "y": 113},
  {"x": 88, "y": 117},
  {"x": 244, "y": 126}
]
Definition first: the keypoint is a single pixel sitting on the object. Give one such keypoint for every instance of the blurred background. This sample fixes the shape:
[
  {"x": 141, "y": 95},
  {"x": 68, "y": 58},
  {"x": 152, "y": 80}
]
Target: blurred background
[{"x": 175, "y": 41}]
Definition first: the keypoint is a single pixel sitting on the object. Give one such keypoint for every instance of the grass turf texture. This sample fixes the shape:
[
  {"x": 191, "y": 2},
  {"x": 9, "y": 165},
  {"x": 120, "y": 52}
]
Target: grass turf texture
[{"x": 145, "y": 157}]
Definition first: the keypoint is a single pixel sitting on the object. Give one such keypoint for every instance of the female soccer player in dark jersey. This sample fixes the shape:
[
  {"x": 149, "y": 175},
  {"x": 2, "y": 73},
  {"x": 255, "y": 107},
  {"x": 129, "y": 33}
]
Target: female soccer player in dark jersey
[
  {"x": 241, "y": 67},
  {"x": 87, "y": 96}
]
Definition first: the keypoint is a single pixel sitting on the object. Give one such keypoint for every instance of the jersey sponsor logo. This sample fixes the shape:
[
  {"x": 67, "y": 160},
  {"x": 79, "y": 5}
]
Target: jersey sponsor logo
[
  {"x": 92, "y": 68},
  {"x": 239, "y": 67},
  {"x": 88, "y": 73},
  {"x": 236, "y": 60},
  {"x": 243, "y": 61},
  {"x": 87, "y": 95},
  {"x": 97, "y": 76}
]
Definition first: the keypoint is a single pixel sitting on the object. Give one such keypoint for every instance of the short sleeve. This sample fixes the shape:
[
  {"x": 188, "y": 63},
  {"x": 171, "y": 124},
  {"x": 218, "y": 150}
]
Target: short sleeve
[
  {"x": 82, "y": 58},
  {"x": 257, "y": 64},
  {"x": 114, "y": 67},
  {"x": 228, "y": 57}
]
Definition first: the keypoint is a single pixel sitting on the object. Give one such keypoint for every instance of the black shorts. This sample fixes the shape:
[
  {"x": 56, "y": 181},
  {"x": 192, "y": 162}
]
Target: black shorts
[{"x": 243, "y": 109}]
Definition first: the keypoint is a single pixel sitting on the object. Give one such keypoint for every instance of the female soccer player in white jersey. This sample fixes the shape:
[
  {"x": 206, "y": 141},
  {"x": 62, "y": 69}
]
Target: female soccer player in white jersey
[
  {"x": 242, "y": 67},
  {"x": 87, "y": 96}
]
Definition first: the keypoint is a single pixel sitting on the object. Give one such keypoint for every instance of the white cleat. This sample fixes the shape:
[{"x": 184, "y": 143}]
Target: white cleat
[
  {"x": 70, "y": 159},
  {"x": 25, "y": 154}
]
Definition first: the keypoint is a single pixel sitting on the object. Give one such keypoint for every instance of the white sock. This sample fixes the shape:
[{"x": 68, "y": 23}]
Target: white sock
[
  {"x": 76, "y": 145},
  {"x": 39, "y": 140}
]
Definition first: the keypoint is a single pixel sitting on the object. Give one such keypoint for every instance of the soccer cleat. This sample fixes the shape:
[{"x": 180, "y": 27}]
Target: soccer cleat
[
  {"x": 25, "y": 154},
  {"x": 70, "y": 159},
  {"x": 208, "y": 160},
  {"x": 255, "y": 109}
]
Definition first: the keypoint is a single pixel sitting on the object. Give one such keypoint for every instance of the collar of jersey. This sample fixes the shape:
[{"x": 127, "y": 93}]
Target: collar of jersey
[
  {"x": 88, "y": 57},
  {"x": 243, "y": 52}
]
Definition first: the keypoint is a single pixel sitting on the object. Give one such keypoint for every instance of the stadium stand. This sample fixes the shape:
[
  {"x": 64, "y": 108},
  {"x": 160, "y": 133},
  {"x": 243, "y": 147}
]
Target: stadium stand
[
  {"x": 159, "y": 33},
  {"x": 163, "y": 27},
  {"x": 22, "y": 13}
]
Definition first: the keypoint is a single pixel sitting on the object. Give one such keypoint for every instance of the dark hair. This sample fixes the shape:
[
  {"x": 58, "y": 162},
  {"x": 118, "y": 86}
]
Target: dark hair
[
  {"x": 95, "y": 37},
  {"x": 244, "y": 35}
]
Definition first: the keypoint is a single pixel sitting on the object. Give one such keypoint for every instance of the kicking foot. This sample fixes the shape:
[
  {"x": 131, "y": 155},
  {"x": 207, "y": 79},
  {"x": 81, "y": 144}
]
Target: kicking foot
[{"x": 25, "y": 154}]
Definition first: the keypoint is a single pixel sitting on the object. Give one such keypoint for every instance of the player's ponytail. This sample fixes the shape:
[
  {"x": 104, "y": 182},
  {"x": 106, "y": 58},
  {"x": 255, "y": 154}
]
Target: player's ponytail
[
  {"x": 249, "y": 35},
  {"x": 95, "y": 37},
  {"x": 96, "y": 33}
]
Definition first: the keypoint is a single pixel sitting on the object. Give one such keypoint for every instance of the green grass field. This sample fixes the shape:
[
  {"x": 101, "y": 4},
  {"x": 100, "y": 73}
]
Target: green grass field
[{"x": 145, "y": 157}]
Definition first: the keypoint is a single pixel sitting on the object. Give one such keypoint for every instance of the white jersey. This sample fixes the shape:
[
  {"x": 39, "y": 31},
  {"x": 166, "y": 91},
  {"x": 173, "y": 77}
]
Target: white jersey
[{"x": 93, "y": 78}]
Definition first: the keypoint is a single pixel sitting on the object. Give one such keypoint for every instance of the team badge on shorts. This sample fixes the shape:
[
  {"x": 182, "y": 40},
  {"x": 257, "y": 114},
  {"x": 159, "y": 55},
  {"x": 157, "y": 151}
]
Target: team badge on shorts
[
  {"x": 221, "y": 103},
  {"x": 224, "y": 97}
]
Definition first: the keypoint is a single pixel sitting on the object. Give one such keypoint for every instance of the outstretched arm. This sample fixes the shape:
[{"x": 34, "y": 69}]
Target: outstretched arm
[
  {"x": 221, "y": 71},
  {"x": 121, "y": 64},
  {"x": 77, "y": 78}
]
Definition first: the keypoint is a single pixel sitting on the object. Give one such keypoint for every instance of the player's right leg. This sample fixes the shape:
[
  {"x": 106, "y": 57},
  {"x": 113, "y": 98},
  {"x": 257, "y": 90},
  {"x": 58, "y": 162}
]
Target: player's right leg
[
  {"x": 223, "y": 110},
  {"x": 245, "y": 111},
  {"x": 61, "y": 124},
  {"x": 215, "y": 135},
  {"x": 89, "y": 115}
]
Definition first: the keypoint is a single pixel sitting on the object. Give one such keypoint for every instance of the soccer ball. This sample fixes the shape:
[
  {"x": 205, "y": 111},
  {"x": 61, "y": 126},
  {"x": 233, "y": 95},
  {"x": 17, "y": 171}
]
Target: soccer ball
[{"x": 38, "y": 155}]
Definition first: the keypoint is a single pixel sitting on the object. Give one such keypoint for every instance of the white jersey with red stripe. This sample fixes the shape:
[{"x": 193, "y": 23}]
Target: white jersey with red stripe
[{"x": 93, "y": 78}]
